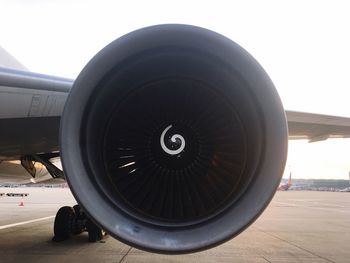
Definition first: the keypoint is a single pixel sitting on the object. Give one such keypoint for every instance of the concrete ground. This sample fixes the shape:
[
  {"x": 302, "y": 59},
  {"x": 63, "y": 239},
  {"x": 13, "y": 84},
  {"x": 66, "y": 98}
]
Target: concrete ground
[{"x": 296, "y": 227}]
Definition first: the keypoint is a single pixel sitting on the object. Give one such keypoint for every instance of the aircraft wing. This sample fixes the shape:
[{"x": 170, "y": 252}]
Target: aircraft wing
[{"x": 316, "y": 127}]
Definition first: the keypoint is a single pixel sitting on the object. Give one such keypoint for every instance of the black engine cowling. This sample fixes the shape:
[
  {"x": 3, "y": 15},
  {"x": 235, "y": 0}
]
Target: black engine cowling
[{"x": 173, "y": 139}]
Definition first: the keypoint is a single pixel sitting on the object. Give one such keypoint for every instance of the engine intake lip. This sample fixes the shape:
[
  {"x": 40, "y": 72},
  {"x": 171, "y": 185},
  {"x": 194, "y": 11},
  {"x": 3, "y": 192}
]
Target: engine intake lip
[{"x": 257, "y": 105}]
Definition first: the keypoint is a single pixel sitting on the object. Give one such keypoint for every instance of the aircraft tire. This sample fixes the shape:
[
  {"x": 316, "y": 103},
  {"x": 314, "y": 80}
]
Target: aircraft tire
[
  {"x": 63, "y": 223},
  {"x": 76, "y": 209},
  {"x": 95, "y": 232},
  {"x": 78, "y": 227}
]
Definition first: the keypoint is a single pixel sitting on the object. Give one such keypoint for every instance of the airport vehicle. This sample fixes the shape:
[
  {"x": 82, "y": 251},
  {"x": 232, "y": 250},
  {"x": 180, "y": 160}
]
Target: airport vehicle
[{"x": 173, "y": 138}]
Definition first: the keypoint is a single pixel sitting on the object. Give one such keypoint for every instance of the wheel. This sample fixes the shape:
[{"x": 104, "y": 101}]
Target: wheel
[
  {"x": 79, "y": 222},
  {"x": 79, "y": 213},
  {"x": 63, "y": 223},
  {"x": 77, "y": 210},
  {"x": 95, "y": 232}
]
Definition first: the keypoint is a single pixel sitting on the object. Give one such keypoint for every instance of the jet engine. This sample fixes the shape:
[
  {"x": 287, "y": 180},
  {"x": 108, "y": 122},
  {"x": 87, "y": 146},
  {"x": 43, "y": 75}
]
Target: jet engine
[{"x": 173, "y": 139}]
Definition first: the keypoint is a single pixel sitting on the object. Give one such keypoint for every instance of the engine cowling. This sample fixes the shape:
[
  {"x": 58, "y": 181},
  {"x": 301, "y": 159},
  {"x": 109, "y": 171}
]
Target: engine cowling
[{"x": 173, "y": 139}]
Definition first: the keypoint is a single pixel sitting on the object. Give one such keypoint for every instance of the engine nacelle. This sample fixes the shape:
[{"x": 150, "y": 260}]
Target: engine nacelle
[{"x": 173, "y": 139}]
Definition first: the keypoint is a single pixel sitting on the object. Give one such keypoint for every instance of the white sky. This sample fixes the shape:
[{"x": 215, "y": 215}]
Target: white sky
[{"x": 303, "y": 45}]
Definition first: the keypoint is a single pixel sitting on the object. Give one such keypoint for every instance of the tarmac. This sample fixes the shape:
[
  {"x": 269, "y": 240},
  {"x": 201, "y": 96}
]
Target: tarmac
[{"x": 298, "y": 226}]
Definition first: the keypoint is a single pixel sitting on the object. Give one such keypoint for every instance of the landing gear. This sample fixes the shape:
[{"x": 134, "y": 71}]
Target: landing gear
[
  {"x": 73, "y": 221},
  {"x": 95, "y": 233},
  {"x": 63, "y": 223},
  {"x": 79, "y": 222}
]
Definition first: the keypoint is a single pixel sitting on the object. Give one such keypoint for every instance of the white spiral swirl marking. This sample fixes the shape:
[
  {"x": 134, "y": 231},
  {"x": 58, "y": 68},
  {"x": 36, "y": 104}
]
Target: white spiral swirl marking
[{"x": 173, "y": 139}]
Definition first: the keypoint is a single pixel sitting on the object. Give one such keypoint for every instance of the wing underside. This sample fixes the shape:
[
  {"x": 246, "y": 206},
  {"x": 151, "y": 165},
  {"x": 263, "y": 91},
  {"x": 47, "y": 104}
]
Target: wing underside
[{"x": 316, "y": 127}]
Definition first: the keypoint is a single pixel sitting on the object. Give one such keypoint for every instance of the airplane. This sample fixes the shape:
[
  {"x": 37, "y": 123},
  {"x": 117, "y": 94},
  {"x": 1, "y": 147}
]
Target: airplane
[
  {"x": 287, "y": 185},
  {"x": 173, "y": 139}
]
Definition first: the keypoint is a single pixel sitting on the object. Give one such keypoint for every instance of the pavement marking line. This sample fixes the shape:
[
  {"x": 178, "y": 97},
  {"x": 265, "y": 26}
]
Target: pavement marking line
[
  {"x": 127, "y": 253},
  {"x": 318, "y": 202},
  {"x": 312, "y": 207},
  {"x": 293, "y": 244},
  {"x": 26, "y": 222}
]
